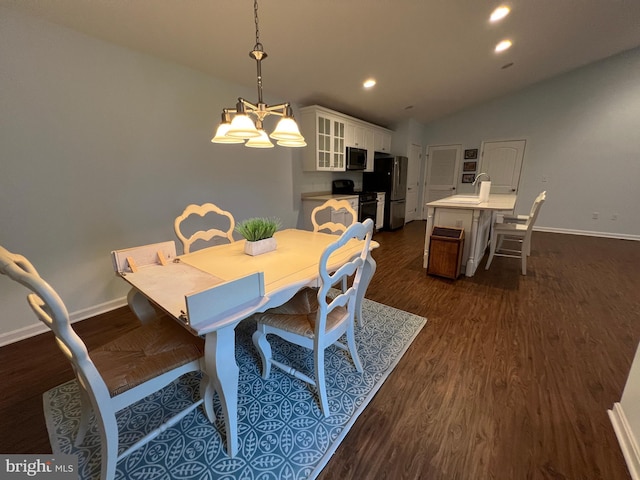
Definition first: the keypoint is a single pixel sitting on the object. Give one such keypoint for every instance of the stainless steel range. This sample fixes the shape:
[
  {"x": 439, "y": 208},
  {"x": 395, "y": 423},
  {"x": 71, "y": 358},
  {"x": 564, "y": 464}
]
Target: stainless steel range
[{"x": 367, "y": 201}]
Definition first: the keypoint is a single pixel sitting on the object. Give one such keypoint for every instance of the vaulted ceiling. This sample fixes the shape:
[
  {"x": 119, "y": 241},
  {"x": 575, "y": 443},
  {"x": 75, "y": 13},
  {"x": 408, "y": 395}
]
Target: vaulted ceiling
[{"x": 429, "y": 57}]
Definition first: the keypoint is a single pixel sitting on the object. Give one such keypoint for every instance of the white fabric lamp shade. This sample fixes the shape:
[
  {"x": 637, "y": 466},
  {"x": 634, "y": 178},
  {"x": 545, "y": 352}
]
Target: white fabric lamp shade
[
  {"x": 259, "y": 142},
  {"x": 292, "y": 143},
  {"x": 287, "y": 129},
  {"x": 221, "y": 135},
  {"x": 242, "y": 127}
]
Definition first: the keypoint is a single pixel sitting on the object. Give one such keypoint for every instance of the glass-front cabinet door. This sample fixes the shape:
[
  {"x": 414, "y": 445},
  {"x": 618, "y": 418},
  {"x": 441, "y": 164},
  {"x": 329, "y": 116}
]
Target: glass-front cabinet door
[
  {"x": 338, "y": 144},
  {"x": 324, "y": 143},
  {"x": 330, "y": 147},
  {"x": 328, "y": 136}
]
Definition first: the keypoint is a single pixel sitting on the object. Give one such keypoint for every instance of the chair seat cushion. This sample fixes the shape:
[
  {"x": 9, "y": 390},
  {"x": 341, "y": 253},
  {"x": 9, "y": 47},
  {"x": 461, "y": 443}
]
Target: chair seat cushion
[
  {"x": 299, "y": 314},
  {"x": 144, "y": 353}
]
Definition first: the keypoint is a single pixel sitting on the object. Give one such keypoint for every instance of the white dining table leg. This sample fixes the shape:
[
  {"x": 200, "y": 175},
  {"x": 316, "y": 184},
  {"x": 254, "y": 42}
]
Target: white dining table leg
[
  {"x": 140, "y": 306},
  {"x": 222, "y": 372},
  {"x": 368, "y": 270},
  {"x": 220, "y": 363}
]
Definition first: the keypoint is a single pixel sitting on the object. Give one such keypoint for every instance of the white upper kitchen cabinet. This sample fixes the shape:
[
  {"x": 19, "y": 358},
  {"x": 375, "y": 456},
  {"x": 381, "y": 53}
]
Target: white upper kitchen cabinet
[
  {"x": 328, "y": 133},
  {"x": 369, "y": 133},
  {"x": 356, "y": 135},
  {"x": 382, "y": 140},
  {"x": 325, "y": 136},
  {"x": 361, "y": 135}
]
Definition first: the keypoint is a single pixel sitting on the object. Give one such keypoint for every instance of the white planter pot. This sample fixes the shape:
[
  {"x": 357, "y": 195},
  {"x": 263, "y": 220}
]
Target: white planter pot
[{"x": 259, "y": 247}]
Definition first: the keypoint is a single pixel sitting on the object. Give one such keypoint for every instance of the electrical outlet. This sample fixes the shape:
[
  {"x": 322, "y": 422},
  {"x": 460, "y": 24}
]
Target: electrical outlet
[
  {"x": 545, "y": 178},
  {"x": 595, "y": 215}
]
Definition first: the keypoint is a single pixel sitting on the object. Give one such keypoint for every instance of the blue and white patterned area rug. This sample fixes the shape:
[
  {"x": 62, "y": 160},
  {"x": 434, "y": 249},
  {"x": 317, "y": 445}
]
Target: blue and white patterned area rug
[{"x": 282, "y": 433}]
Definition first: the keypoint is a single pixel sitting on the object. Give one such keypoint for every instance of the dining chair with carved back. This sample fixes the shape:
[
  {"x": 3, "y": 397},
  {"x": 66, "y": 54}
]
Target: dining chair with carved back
[
  {"x": 120, "y": 372},
  {"x": 332, "y": 227},
  {"x": 315, "y": 320},
  {"x": 210, "y": 211}
]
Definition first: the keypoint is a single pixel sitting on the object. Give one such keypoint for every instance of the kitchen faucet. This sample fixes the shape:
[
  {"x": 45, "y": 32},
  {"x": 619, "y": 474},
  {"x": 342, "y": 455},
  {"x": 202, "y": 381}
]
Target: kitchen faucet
[{"x": 478, "y": 176}]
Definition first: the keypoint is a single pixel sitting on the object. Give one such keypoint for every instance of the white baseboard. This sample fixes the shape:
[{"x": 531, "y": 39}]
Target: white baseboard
[
  {"x": 39, "y": 327},
  {"x": 626, "y": 440},
  {"x": 587, "y": 233}
]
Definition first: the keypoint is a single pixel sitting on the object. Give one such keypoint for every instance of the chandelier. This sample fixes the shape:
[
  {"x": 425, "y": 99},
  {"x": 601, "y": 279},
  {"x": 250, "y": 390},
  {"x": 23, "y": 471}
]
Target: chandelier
[{"x": 237, "y": 125}]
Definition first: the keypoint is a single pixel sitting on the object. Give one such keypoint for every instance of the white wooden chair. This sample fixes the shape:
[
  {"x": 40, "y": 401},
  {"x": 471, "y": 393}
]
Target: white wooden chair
[
  {"x": 313, "y": 320},
  {"x": 119, "y": 373},
  {"x": 205, "y": 235},
  {"x": 523, "y": 218},
  {"x": 333, "y": 227},
  {"x": 514, "y": 232}
]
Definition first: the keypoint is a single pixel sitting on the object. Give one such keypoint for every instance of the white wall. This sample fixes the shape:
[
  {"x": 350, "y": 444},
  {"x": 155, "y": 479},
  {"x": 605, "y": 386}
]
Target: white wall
[
  {"x": 581, "y": 130},
  {"x": 100, "y": 149}
]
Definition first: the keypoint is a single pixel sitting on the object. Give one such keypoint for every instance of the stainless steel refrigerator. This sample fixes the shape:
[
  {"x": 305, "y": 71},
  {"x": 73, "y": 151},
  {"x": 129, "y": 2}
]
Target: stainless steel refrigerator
[{"x": 389, "y": 176}]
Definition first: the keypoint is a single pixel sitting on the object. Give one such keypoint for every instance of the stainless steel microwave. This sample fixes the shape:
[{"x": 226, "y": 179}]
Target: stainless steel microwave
[{"x": 356, "y": 158}]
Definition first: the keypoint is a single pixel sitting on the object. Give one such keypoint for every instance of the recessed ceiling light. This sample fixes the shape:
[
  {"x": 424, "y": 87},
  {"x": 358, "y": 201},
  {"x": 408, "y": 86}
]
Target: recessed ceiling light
[
  {"x": 369, "y": 83},
  {"x": 503, "y": 45},
  {"x": 499, "y": 13}
]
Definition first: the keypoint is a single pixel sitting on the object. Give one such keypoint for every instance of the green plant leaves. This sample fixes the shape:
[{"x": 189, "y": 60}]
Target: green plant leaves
[{"x": 254, "y": 229}]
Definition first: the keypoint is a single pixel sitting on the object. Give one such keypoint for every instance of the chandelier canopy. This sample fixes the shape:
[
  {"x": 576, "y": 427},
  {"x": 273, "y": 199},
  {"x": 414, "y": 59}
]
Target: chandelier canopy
[{"x": 237, "y": 124}]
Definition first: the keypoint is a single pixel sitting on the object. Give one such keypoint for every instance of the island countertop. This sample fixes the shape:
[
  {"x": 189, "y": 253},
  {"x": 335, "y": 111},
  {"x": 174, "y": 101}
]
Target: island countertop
[{"x": 496, "y": 201}]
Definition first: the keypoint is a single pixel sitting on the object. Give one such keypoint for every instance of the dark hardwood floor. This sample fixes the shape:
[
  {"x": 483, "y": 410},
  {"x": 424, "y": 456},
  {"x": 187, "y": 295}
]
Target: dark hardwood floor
[{"x": 511, "y": 378}]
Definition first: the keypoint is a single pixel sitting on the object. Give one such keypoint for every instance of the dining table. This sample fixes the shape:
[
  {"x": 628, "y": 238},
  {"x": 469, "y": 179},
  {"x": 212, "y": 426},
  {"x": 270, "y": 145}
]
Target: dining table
[{"x": 211, "y": 290}]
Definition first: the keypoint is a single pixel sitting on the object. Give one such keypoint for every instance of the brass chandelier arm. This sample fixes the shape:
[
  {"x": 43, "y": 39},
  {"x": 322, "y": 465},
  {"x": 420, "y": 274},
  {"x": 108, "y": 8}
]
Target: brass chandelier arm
[{"x": 261, "y": 109}]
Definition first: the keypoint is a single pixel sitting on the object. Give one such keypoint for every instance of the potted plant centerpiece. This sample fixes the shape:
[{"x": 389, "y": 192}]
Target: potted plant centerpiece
[{"x": 259, "y": 234}]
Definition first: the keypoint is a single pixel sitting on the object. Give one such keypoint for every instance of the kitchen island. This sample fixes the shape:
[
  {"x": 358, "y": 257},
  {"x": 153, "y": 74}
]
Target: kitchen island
[{"x": 475, "y": 217}]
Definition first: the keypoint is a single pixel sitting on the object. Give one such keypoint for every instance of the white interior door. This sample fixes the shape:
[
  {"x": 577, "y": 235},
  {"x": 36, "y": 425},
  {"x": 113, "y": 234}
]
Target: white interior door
[
  {"x": 441, "y": 174},
  {"x": 503, "y": 162},
  {"x": 413, "y": 183}
]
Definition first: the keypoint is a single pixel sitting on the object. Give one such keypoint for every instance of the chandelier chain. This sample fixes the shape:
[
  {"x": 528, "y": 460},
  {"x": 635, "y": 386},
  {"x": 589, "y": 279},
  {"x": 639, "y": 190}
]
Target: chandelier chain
[{"x": 255, "y": 16}]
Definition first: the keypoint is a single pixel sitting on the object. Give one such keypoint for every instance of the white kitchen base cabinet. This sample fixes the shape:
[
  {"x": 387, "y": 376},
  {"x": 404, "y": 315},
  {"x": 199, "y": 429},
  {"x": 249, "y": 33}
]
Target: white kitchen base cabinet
[
  {"x": 336, "y": 216},
  {"x": 380, "y": 211}
]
